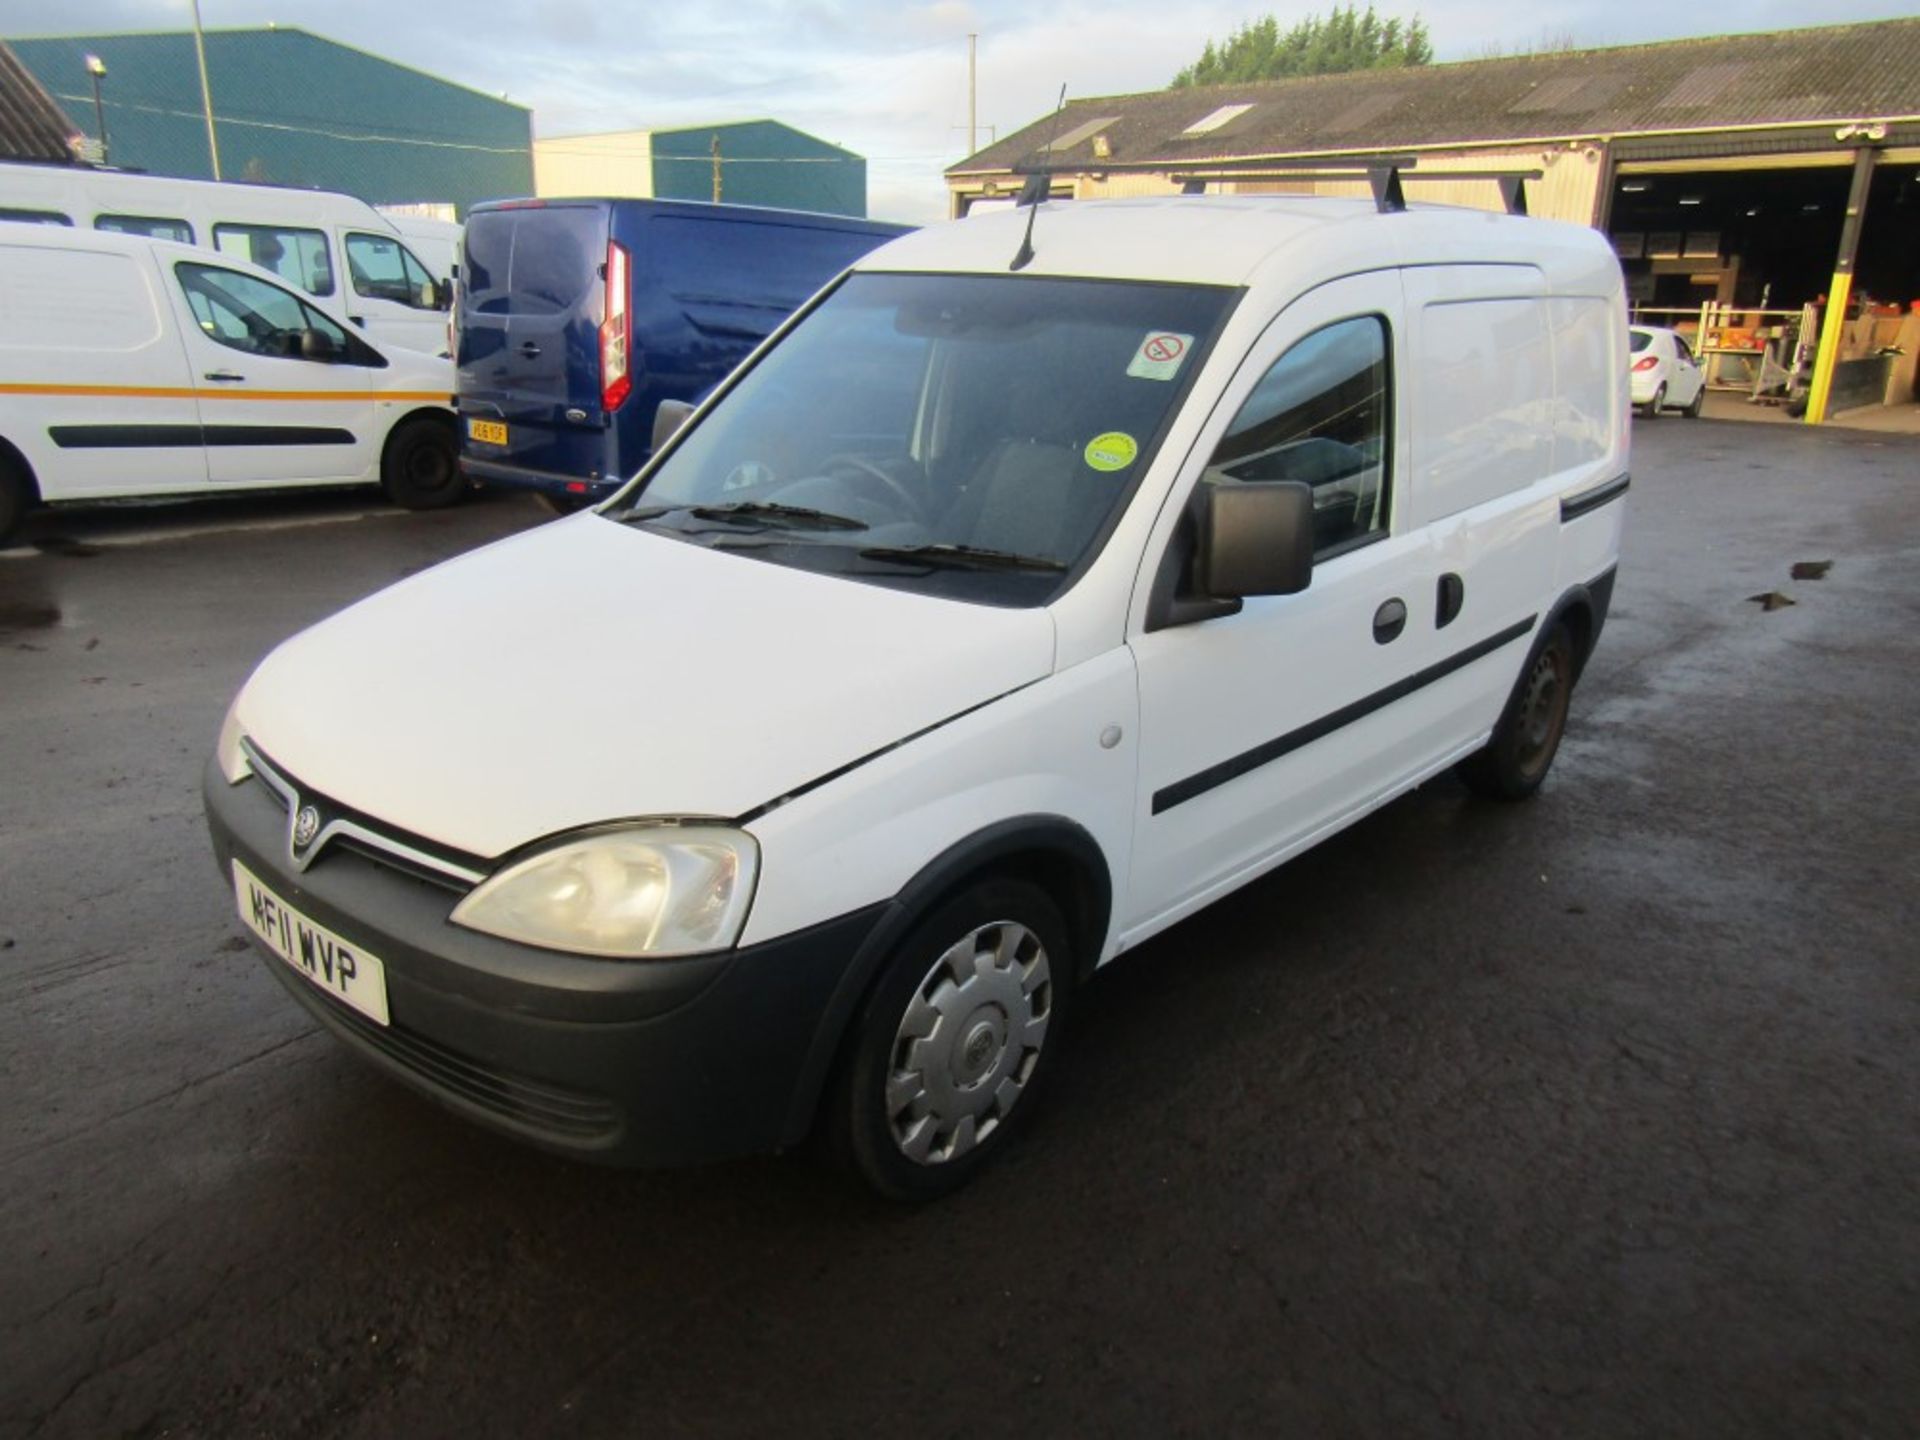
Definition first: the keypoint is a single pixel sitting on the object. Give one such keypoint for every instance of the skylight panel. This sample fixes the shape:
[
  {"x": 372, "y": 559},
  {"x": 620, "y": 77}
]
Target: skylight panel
[{"x": 1207, "y": 124}]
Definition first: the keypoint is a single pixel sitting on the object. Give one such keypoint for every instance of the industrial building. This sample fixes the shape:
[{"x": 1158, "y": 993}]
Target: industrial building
[
  {"x": 744, "y": 162},
  {"x": 1724, "y": 169},
  {"x": 289, "y": 107}
]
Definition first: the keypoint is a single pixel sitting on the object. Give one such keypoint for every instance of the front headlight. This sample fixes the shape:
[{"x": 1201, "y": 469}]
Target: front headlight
[
  {"x": 625, "y": 894},
  {"x": 227, "y": 753}
]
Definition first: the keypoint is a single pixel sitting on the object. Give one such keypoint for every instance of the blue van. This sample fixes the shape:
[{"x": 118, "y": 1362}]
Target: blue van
[{"x": 578, "y": 317}]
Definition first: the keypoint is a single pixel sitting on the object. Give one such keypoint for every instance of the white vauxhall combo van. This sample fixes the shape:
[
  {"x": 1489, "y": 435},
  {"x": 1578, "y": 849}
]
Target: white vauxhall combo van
[
  {"x": 999, "y": 612},
  {"x": 135, "y": 367}
]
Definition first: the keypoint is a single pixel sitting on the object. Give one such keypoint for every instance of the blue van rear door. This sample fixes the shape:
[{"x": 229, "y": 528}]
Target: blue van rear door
[{"x": 529, "y": 332}]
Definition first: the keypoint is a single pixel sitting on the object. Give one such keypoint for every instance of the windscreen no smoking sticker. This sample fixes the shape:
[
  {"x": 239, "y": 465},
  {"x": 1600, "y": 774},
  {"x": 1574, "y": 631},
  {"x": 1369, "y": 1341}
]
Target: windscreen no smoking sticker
[{"x": 1159, "y": 355}]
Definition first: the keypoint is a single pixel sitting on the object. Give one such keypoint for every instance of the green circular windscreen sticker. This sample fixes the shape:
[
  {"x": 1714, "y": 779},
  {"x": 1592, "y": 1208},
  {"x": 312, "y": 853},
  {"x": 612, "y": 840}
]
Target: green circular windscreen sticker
[{"x": 1114, "y": 450}]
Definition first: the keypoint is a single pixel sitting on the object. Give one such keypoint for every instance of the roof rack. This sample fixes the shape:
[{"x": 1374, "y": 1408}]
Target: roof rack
[{"x": 1385, "y": 175}]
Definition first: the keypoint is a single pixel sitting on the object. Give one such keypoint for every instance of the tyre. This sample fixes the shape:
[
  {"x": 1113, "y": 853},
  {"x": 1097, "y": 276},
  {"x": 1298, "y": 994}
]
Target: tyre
[
  {"x": 1692, "y": 412},
  {"x": 1525, "y": 741},
  {"x": 421, "y": 467},
  {"x": 946, "y": 1053},
  {"x": 16, "y": 496},
  {"x": 1652, "y": 409}
]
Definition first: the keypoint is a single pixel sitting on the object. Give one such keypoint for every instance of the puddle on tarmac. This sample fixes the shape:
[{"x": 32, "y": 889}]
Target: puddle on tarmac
[
  {"x": 63, "y": 545},
  {"x": 26, "y": 615}
]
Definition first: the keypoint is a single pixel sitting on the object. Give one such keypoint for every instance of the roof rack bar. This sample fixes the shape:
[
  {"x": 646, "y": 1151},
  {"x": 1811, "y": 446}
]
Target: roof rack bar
[{"x": 1386, "y": 177}]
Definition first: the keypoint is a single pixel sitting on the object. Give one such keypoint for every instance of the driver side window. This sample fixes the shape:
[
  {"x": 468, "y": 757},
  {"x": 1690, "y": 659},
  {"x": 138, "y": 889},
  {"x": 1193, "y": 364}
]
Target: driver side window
[
  {"x": 249, "y": 315},
  {"x": 1320, "y": 415}
]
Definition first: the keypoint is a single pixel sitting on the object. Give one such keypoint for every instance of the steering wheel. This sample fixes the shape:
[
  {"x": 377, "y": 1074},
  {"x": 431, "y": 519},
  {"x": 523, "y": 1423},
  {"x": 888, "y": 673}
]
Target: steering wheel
[{"x": 915, "y": 506}]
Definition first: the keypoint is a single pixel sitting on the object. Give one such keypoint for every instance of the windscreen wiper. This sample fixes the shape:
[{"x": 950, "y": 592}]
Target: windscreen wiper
[
  {"x": 961, "y": 557},
  {"x": 754, "y": 512}
]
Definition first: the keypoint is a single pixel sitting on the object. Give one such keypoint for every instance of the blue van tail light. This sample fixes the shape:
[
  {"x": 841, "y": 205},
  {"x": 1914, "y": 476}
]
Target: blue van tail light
[{"x": 616, "y": 331}]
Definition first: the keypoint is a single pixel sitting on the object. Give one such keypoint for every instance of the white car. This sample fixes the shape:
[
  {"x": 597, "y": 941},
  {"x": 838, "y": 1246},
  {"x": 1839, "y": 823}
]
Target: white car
[
  {"x": 137, "y": 367},
  {"x": 980, "y": 627},
  {"x": 1664, "y": 375}
]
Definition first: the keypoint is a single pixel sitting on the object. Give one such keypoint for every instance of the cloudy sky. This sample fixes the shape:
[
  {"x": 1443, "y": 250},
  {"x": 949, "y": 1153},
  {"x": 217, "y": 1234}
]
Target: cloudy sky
[{"x": 888, "y": 80}]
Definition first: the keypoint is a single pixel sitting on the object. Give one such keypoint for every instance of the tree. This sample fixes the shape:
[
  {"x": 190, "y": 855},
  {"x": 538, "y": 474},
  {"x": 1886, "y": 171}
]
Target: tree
[{"x": 1347, "y": 39}]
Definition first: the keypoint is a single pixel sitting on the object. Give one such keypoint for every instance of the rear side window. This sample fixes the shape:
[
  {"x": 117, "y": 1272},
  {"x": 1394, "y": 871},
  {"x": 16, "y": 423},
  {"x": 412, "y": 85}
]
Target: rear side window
[
  {"x": 488, "y": 256},
  {"x": 1638, "y": 340},
  {"x": 295, "y": 255},
  {"x": 542, "y": 260},
  {"x": 742, "y": 277},
  {"x": 1320, "y": 416},
  {"x": 381, "y": 268},
  {"x": 33, "y": 217},
  {"x": 250, "y": 315},
  {"x": 154, "y": 227}
]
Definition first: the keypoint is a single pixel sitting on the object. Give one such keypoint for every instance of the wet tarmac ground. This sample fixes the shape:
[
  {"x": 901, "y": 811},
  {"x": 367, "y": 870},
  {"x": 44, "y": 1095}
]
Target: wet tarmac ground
[{"x": 1596, "y": 1116}]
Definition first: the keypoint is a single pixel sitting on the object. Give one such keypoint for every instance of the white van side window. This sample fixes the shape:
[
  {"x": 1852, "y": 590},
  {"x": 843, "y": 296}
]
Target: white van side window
[
  {"x": 381, "y": 268},
  {"x": 1483, "y": 372},
  {"x": 33, "y": 217},
  {"x": 1320, "y": 415},
  {"x": 294, "y": 254},
  {"x": 250, "y": 315},
  {"x": 154, "y": 227}
]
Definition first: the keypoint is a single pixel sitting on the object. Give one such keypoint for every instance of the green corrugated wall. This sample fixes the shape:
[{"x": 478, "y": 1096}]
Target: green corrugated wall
[
  {"x": 291, "y": 108},
  {"x": 762, "y": 163}
]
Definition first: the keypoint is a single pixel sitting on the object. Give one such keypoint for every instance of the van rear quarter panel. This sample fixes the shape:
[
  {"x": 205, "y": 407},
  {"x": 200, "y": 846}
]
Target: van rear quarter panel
[{"x": 75, "y": 316}]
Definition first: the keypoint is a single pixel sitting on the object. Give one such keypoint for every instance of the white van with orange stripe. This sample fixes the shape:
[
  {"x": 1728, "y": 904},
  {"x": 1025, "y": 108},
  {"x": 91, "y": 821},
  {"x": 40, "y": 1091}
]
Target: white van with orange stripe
[{"x": 133, "y": 367}]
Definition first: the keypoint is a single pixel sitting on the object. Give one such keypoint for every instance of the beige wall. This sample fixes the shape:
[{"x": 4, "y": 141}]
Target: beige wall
[{"x": 619, "y": 163}]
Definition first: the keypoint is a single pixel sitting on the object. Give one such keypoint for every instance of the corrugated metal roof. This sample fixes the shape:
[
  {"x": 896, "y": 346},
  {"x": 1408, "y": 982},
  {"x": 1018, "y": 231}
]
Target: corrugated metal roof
[
  {"x": 1837, "y": 71},
  {"x": 32, "y": 126},
  {"x": 293, "y": 108}
]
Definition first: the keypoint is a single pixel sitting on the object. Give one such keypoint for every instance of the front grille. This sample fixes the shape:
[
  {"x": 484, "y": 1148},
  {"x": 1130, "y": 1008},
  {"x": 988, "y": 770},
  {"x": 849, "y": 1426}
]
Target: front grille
[{"x": 565, "y": 1115}]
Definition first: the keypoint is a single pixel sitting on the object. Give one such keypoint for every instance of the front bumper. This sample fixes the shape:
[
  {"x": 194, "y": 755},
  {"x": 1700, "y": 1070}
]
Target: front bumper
[{"x": 646, "y": 1062}]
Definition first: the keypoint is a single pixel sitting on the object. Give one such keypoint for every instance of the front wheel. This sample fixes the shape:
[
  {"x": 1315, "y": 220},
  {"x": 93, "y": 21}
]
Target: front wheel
[
  {"x": 1527, "y": 738},
  {"x": 948, "y": 1049},
  {"x": 1692, "y": 412},
  {"x": 421, "y": 467}
]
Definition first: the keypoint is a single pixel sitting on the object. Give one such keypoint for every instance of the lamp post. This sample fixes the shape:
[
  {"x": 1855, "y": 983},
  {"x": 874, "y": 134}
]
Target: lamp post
[{"x": 97, "y": 69}]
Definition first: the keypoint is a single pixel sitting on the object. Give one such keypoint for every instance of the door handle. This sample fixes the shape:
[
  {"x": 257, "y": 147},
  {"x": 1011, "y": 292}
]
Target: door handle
[
  {"x": 225, "y": 377},
  {"x": 529, "y": 349},
  {"x": 1389, "y": 620},
  {"x": 1449, "y": 595}
]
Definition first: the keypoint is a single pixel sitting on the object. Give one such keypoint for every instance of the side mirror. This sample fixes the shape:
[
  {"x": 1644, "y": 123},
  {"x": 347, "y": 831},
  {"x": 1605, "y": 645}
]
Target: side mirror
[
  {"x": 668, "y": 419},
  {"x": 1256, "y": 538},
  {"x": 440, "y": 295},
  {"x": 318, "y": 346}
]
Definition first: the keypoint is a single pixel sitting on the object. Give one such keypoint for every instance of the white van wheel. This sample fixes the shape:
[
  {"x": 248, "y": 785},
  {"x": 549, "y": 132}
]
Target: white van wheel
[
  {"x": 952, "y": 1041},
  {"x": 420, "y": 469},
  {"x": 1527, "y": 738}
]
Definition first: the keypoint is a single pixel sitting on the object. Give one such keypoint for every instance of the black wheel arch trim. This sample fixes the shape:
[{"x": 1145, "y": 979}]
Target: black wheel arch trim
[{"x": 1088, "y": 915}]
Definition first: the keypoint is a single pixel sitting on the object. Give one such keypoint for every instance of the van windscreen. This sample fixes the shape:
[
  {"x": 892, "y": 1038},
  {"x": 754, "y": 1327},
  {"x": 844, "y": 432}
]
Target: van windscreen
[{"x": 971, "y": 436}]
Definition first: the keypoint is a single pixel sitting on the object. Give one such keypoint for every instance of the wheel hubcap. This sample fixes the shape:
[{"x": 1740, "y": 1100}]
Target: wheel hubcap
[
  {"x": 1540, "y": 708},
  {"x": 968, "y": 1042}
]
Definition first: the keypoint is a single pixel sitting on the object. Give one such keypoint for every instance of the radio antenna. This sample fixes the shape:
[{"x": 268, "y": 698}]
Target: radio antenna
[{"x": 1038, "y": 188}]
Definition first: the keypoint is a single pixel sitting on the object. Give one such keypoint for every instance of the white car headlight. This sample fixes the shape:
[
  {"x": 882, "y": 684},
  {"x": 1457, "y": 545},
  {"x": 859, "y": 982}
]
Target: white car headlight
[
  {"x": 625, "y": 894},
  {"x": 227, "y": 751}
]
